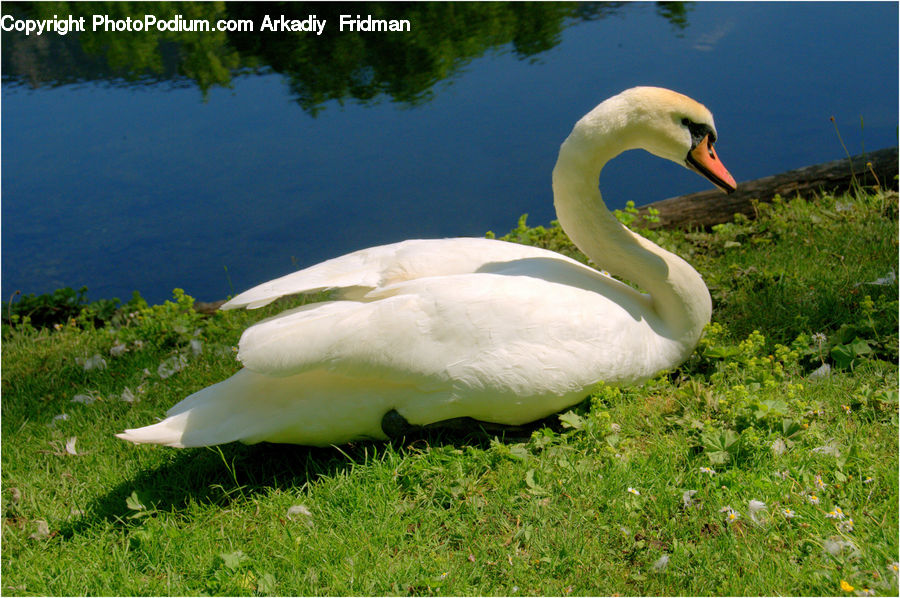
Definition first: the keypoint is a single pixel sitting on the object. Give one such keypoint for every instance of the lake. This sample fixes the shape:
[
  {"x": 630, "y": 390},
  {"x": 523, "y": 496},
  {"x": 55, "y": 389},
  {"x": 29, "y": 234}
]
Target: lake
[{"x": 144, "y": 160}]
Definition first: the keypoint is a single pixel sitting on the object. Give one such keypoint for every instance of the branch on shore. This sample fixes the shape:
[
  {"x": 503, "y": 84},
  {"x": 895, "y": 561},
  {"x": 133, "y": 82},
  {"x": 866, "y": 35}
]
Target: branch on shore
[{"x": 707, "y": 208}]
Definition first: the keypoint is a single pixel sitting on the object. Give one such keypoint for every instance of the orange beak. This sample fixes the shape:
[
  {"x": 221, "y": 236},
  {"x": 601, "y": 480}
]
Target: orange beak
[{"x": 703, "y": 160}]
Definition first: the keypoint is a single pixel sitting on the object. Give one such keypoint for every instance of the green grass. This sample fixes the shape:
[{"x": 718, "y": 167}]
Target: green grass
[{"x": 545, "y": 512}]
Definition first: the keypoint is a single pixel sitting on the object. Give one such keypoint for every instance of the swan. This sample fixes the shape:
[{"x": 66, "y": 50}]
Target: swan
[{"x": 425, "y": 331}]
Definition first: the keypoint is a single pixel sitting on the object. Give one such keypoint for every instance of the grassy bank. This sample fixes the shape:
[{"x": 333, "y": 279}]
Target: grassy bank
[{"x": 749, "y": 470}]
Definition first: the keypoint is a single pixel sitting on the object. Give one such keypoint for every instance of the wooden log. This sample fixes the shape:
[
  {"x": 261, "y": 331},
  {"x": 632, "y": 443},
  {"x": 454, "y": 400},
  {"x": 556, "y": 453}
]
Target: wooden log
[
  {"x": 707, "y": 208},
  {"x": 208, "y": 307}
]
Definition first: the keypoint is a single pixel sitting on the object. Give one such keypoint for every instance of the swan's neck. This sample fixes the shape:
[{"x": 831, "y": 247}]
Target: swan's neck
[{"x": 679, "y": 297}]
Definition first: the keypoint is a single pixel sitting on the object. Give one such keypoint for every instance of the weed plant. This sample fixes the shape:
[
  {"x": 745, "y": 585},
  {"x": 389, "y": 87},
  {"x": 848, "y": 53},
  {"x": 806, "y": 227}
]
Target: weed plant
[{"x": 766, "y": 464}]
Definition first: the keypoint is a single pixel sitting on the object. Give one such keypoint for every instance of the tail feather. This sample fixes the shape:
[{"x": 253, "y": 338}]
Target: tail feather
[
  {"x": 313, "y": 408},
  {"x": 168, "y": 432}
]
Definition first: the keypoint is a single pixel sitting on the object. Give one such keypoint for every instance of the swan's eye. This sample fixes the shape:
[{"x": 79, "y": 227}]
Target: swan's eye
[{"x": 698, "y": 132}]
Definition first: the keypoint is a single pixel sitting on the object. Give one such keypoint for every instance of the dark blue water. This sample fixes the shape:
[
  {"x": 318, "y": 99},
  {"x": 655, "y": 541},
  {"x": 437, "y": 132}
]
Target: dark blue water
[{"x": 152, "y": 187}]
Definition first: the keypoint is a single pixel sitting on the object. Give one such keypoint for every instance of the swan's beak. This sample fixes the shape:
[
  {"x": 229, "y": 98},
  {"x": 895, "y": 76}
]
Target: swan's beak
[{"x": 703, "y": 160}]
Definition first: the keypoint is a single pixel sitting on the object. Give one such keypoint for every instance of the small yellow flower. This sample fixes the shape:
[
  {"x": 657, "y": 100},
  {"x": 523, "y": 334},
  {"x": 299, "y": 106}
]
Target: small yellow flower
[
  {"x": 836, "y": 513},
  {"x": 730, "y": 514},
  {"x": 846, "y": 586}
]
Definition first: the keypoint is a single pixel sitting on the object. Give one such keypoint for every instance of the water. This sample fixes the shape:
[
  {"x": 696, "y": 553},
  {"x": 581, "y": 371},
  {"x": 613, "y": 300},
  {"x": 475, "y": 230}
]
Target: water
[{"x": 152, "y": 183}]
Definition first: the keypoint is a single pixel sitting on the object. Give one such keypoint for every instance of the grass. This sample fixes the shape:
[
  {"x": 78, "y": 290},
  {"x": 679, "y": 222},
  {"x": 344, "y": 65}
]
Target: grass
[{"x": 628, "y": 493}]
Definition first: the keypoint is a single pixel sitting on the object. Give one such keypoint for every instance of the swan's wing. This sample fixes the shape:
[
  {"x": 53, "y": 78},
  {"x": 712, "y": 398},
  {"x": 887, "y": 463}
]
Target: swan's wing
[
  {"x": 359, "y": 272},
  {"x": 482, "y": 338}
]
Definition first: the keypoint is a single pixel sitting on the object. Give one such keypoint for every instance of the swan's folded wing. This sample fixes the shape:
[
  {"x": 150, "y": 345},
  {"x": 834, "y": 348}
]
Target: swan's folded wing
[
  {"x": 357, "y": 273},
  {"x": 485, "y": 331},
  {"x": 360, "y": 269}
]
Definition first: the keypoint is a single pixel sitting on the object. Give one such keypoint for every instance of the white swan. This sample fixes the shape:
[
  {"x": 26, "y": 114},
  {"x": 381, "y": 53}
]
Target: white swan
[{"x": 499, "y": 332}]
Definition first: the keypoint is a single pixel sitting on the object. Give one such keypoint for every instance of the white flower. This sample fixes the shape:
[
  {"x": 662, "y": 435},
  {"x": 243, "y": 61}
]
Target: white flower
[
  {"x": 813, "y": 499},
  {"x": 820, "y": 485},
  {"x": 789, "y": 513},
  {"x": 117, "y": 349},
  {"x": 633, "y": 491},
  {"x": 730, "y": 514},
  {"x": 819, "y": 338},
  {"x": 836, "y": 513},
  {"x": 707, "y": 470},
  {"x": 127, "y": 395},
  {"x": 846, "y": 525},
  {"x": 868, "y": 480}
]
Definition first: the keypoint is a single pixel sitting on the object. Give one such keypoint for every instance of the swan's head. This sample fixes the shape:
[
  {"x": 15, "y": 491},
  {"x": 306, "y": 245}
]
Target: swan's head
[{"x": 667, "y": 124}]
